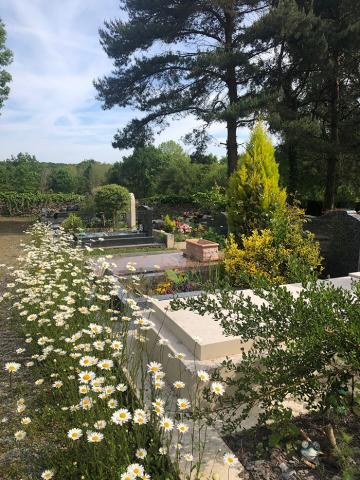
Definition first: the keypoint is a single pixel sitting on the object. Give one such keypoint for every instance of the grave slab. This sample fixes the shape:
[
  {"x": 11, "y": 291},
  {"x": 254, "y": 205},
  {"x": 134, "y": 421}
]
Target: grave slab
[{"x": 155, "y": 262}]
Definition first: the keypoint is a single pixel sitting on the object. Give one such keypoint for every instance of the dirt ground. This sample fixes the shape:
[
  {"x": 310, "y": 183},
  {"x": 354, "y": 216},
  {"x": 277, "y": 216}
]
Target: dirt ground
[
  {"x": 14, "y": 460},
  {"x": 11, "y": 235}
]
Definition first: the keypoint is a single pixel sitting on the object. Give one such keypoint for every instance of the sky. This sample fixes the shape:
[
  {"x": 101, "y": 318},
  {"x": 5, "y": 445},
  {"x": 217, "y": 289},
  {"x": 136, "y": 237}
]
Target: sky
[{"x": 52, "y": 111}]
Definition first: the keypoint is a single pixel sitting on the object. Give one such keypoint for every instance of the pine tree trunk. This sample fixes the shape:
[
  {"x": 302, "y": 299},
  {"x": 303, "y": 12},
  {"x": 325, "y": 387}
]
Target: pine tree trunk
[
  {"x": 231, "y": 123},
  {"x": 231, "y": 145},
  {"x": 333, "y": 155}
]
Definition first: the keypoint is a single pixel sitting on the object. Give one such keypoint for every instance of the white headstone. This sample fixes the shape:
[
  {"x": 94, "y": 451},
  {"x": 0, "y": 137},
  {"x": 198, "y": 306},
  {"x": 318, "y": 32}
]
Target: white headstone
[{"x": 132, "y": 213}]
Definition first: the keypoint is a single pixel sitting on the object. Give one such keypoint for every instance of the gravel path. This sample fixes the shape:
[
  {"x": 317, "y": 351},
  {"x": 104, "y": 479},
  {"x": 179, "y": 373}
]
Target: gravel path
[{"x": 16, "y": 460}]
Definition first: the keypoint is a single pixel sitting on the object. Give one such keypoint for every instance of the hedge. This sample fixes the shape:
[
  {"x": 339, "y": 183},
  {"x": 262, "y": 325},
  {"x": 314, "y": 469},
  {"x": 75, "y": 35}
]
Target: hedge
[{"x": 13, "y": 203}]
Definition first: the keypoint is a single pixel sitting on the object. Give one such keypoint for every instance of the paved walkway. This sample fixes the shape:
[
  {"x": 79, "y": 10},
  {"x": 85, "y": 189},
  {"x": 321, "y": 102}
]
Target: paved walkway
[{"x": 155, "y": 262}]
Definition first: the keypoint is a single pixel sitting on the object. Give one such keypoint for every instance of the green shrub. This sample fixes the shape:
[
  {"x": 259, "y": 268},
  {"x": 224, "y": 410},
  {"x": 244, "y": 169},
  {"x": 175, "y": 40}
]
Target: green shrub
[
  {"x": 169, "y": 224},
  {"x": 72, "y": 224},
  {"x": 304, "y": 347},
  {"x": 213, "y": 200},
  {"x": 214, "y": 236},
  {"x": 13, "y": 203},
  {"x": 282, "y": 253},
  {"x": 253, "y": 193},
  {"x": 110, "y": 200}
]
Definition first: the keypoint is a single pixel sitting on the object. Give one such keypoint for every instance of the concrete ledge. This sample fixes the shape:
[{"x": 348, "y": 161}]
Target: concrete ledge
[
  {"x": 355, "y": 275},
  {"x": 164, "y": 237}
]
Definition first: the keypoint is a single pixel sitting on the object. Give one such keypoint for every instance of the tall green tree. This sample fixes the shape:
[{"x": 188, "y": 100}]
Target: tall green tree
[
  {"x": 21, "y": 173},
  {"x": 314, "y": 74},
  {"x": 91, "y": 174},
  {"x": 6, "y": 58},
  {"x": 174, "y": 58},
  {"x": 61, "y": 181},
  {"x": 254, "y": 192},
  {"x": 139, "y": 172}
]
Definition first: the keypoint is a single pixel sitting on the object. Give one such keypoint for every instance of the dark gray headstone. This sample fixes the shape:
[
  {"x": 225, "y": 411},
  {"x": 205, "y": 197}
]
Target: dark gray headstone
[
  {"x": 220, "y": 223},
  {"x": 338, "y": 233},
  {"x": 145, "y": 219}
]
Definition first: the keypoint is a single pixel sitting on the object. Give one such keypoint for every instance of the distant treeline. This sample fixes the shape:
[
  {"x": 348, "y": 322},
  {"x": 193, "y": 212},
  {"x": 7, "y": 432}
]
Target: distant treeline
[
  {"x": 165, "y": 170},
  {"x": 24, "y": 174},
  {"x": 148, "y": 171}
]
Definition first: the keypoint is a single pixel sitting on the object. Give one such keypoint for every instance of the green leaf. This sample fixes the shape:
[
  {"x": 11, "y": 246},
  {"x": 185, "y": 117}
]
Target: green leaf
[{"x": 275, "y": 439}]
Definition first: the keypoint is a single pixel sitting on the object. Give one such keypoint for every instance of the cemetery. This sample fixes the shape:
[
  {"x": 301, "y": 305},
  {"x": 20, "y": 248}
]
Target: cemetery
[{"x": 180, "y": 301}]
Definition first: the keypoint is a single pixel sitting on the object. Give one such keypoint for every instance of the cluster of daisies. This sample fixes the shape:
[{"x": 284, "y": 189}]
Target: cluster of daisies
[{"x": 84, "y": 348}]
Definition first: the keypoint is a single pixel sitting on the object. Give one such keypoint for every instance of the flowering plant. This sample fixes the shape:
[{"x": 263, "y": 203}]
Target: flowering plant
[{"x": 106, "y": 410}]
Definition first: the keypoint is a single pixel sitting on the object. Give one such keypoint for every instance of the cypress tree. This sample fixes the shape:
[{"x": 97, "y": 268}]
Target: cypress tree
[{"x": 254, "y": 192}]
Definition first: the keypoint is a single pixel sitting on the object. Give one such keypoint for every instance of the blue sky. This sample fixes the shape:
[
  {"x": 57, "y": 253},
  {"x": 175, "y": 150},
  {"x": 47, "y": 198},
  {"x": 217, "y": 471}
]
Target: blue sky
[{"x": 52, "y": 111}]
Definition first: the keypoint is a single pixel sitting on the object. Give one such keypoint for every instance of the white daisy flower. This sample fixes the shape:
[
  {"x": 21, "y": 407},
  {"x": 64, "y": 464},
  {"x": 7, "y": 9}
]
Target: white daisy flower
[
  {"x": 167, "y": 424},
  {"x": 230, "y": 460},
  {"x": 12, "y": 367},
  {"x": 47, "y": 474},
  {"x": 182, "y": 427},
  {"x": 127, "y": 476},
  {"x": 74, "y": 433},
  {"x": 178, "y": 384},
  {"x": 203, "y": 376},
  {"x": 188, "y": 457},
  {"x": 120, "y": 417},
  {"x": 86, "y": 376},
  {"x": 94, "y": 437},
  {"x": 136, "y": 469},
  {"x": 154, "y": 367},
  {"x": 100, "y": 425},
  {"x": 183, "y": 403},
  {"x": 20, "y": 435},
  {"x": 141, "y": 453},
  {"x": 105, "y": 364},
  {"x": 217, "y": 388}
]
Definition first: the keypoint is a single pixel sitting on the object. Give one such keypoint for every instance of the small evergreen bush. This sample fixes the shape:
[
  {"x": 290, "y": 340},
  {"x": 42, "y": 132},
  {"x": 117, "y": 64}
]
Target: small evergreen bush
[
  {"x": 169, "y": 224},
  {"x": 72, "y": 224}
]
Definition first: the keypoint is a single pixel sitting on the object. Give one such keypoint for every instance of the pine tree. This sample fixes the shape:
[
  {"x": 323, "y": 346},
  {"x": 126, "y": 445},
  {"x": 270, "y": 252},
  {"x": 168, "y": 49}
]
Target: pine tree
[
  {"x": 5, "y": 60},
  {"x": 253, "y": 192},
  {"x": 313, "y": 78},
  {"x": 174, "y": 58}
]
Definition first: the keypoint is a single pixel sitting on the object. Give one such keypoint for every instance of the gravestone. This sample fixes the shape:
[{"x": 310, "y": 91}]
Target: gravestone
[
  {"x": 131, "y": 216},
  {"x": 338, "y": 233},
  {"x": 145, "y": 219},
  {"x": 220, "y": 223}
]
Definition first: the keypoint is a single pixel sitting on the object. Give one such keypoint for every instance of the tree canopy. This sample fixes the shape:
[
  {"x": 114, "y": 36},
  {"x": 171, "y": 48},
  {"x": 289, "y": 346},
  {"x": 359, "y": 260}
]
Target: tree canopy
[
  {"x": 24, "y": 173},
  {"x": 6, "y": 58},
  {"x": 312, "y": 77},
  {"x": 166, "y": 169},
  {"x": 176, "y": 58},
  {"x": 294, "y": 63}
]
